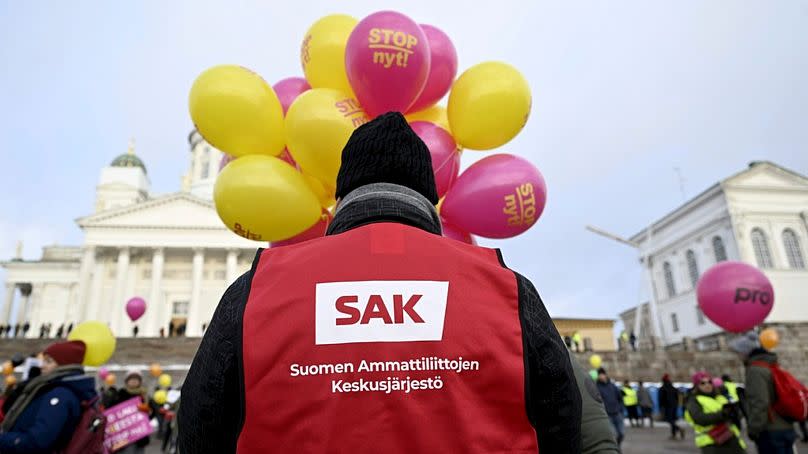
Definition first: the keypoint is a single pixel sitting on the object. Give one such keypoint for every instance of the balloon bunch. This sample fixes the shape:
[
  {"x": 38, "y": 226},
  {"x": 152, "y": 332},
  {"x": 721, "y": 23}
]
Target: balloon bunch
[
  {"x": 595, "y": 361},
  {"x": 284, "y": 142}
]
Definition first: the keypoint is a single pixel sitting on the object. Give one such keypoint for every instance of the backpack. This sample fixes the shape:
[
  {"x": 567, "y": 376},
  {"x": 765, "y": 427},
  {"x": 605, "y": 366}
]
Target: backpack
[
  {"x": 88, "y": 438},
  {"x": 792, "y": 396}
]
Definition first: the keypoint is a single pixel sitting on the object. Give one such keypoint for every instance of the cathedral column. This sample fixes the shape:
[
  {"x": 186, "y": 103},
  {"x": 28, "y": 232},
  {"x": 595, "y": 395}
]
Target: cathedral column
[
  {"x": 155, "y": 310},
  {"x": 113, "y": 315},
  {"x": 85, "y": 270},
  {"x": 194, "y": 324},
  {"x": 232, "y": 266},
  {"x": 10, "y": 288},
  {"x": 91, "y": 310}
]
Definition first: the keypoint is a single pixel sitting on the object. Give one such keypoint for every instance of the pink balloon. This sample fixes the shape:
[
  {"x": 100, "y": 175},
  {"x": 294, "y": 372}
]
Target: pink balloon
[
  {"x": 445, "y": 157},
  {"x": 226, "y": 159},
  {"x": 316, "y": 231},
  {"x": 103, "y": 372},
  {"x": 135, "y": 308},
  {"x": 499, "y": 196},
  {"x": 718, "y": 382},
  {"x": 387, "y": 61},
  {"x": 450, "y": 231},
  {"x": 442, "y": 69},
  {"x": 289, "y": 89},
  {"x": 286, "y": 157},
  {"x": 735, "y": 296}
]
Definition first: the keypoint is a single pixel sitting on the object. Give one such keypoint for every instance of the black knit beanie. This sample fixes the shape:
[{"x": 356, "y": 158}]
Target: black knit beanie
[{"x": 387, "y": 150}]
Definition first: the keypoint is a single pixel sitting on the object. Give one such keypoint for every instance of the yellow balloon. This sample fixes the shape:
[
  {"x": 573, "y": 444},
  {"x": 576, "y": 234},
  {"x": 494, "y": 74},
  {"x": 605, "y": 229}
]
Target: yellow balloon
[
  {"x": 595, "y": 361},
  {"x": 11, "y": 380},
  {"x": 318, "y": 124},
  {"x": 160, "y": 397},
  {"x": 322, "y": 53},
  {"x": 99, "y": 340},
  {"x": 324, "y": 194},
  {"x": 488, "y": 105},
  {"x": 435, "y": 114},
  {"x": 264, "y": 199},
  {"x": 110, "y": 380},
  {"x": 237, "y": 111},
  {"x": 164, "y": 380}
]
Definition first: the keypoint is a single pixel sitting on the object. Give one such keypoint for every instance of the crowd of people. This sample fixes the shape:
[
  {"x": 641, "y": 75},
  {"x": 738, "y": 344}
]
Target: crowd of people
[
  {"x": 44, "y": 412},
  {"x": 46, "y": 330}
]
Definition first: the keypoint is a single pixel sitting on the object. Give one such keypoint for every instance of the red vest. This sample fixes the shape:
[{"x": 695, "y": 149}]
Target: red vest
[{"x": 387, "y": 339}]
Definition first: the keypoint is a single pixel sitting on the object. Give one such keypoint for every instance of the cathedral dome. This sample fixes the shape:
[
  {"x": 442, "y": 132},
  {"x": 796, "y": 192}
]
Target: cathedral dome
[{"x": 128, "y": 159}]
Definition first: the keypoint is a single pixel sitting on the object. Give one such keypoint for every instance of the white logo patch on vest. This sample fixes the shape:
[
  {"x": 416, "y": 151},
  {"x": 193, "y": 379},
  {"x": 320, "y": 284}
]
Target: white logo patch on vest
[{"x": 379, "y": 311}]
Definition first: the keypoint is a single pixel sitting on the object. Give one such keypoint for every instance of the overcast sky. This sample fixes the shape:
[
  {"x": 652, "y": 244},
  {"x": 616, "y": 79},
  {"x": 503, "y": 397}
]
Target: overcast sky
[{"x": 623, "y": 93}]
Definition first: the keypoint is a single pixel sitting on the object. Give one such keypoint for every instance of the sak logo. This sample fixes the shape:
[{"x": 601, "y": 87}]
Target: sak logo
[{"x": 379, "y": 311}]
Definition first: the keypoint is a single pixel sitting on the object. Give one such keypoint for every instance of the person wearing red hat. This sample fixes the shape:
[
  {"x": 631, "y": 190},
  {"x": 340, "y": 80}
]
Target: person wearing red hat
[
  {"x": 711, "y": 415},
  {"x": 44, "y": 416}
]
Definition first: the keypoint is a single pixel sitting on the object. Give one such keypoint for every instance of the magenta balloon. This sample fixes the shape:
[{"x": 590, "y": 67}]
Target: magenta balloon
[
  {"x": 735, "y": 296},
  {"x": 135, "y": 308},
  {"x": 226, "y": 159},
  {"x": 450, "y": 231},
  {"x": 445, "y": 156},
  {"x": 289, "y": 89},
  {"x": 442, "y": 68},
  {"x": 499, "y": 196},
  {"x": 103, "y": 372},
  {"x": 285, "y": 156},
  {"x": 316, "y": 231},
  {"x": 387, "y": 61}
]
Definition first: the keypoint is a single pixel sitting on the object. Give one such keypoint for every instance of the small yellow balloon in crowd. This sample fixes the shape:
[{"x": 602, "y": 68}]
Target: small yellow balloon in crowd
[
  {"x": 160, "y": 397},
  {"x": 322, "y": 53},
  {"x": 155, "y": 370},
  {"x": 8, "y": 368},
  {"x": 435, "y": 114},
  {"x": 99, "y": 341},
  {"x": 488, "y": 105},
  {"x": 769, "y": 338},
  {"x": 595, "y": 361},
  {"x": 110, "y": 380},
  {"x": 318, "y": 125},
  {"x": 262, "y": 198},
  {"x": 237, "y": 112},
  {"x": 11, "y": 380},
  {"x": 164, "y": 380}
]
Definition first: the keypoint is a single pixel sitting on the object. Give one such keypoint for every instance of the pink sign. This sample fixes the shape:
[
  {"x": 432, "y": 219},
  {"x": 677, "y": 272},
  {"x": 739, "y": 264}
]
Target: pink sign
[{"x": 126, "y": 424}]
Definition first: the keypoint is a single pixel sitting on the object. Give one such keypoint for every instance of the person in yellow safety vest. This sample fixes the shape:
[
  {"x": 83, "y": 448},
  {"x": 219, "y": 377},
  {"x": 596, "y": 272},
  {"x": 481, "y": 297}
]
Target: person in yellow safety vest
[
  {"x": 623, "y": 340},
  {"x": 711, "y": 416},
  {"x": 631, "y": 402},
  {"x": 578, "y": 341}
]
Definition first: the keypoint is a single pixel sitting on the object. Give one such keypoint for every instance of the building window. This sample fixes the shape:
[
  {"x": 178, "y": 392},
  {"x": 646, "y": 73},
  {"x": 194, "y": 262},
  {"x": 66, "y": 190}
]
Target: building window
[
  {"x": 180, "y": 308},
  {"x": 699, "y": 315},
  {"x": 205, "y": 170},
  {"x": 675, "y": 323},
  {"x": 147, "y": 273},
  {"x": 761, "y": 246},
  {"x": 718, "y": 249},
  {"x": 220, "y": 274},
  {"x": 792, "y": 246},
  {"x": 692, "y": 267},
  {"x": 666, "y": 268}
]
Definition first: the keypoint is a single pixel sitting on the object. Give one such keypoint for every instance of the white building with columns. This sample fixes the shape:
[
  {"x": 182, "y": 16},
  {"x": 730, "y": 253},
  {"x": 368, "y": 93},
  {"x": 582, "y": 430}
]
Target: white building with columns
[
  {"x": 758, "y": 216},
  {"x": 172, "y": 250}
]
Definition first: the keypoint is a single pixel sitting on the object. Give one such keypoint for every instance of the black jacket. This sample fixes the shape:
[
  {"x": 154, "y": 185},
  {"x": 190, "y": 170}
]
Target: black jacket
[{"x": 212, "y": 412}]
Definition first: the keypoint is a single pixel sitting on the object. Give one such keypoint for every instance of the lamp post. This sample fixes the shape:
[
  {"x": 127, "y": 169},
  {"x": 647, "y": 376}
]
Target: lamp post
[{"x": 645, "y": 259}]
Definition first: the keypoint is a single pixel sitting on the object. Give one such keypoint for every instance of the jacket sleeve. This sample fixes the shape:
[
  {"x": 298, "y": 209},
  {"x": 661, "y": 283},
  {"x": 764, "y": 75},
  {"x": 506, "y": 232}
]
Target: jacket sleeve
[
  {"x": 757, "y": 399},
  {"x": 699, "y": 417},
  {"x": 596, "y": 429},
  {"x": 553, "y": 398},
  {"x": 54, "y": 410},
  {"x": 211, "y": 415}
]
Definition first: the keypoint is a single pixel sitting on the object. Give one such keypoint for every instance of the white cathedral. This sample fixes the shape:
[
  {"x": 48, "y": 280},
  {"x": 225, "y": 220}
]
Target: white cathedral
[{"x": 171, "y": 250}]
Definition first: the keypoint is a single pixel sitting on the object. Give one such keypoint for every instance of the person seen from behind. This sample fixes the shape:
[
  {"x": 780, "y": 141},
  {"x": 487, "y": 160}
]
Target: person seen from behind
[
  {"x": 391, "y": 301},
  {"x": 669, "y": 405},
  {"x": 646, "y": 405},
  {"x": 771, "y": 432}
]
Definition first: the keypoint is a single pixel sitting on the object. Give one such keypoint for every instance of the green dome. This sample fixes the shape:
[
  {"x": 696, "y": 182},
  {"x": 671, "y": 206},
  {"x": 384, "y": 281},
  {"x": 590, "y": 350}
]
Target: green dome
[{"x": 128, "y": 160}]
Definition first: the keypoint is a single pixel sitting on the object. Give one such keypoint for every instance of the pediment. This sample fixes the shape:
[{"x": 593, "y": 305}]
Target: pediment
[
  {"x": 768, "y": 175},
  {"x": 179, "y": 210}
]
